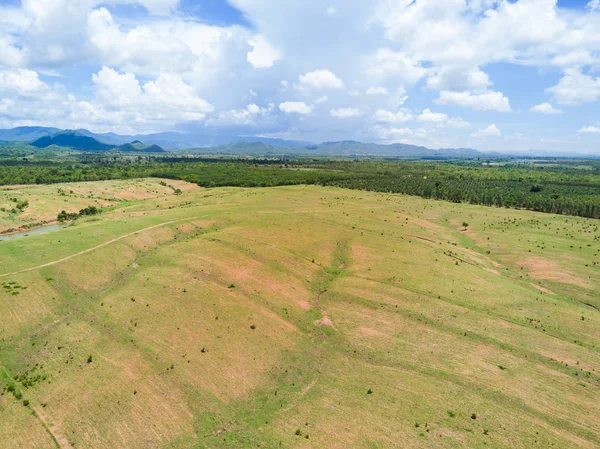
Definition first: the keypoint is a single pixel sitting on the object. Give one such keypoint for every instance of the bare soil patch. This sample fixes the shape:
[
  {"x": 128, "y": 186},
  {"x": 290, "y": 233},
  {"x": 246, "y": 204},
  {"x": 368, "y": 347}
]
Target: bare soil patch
[{"x": 551, "y": 271}]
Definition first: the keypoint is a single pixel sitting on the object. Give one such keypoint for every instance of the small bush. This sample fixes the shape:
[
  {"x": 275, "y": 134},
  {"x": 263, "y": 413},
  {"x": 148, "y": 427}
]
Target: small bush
[
  {"x": 451, "y": 414},
  {"x": 90, "y": 359},
  {"x": 473, "y": 416},
  {"x": 253, "y": 327},
  {"x": 26, "y": 403},
  {"x": 298, "y": 432},
  {"x": 369, "y": 391}
]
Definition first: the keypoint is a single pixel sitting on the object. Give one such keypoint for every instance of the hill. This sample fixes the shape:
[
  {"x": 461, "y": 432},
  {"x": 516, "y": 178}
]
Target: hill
[
  {"x": 296, "y": 317},
  {"x": 138, "y": 147},
  {"x": 71, "y": 139}
]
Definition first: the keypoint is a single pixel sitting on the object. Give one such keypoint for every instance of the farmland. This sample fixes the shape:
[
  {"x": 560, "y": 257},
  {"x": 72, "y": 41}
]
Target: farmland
[{"x": 295, "y": 317}]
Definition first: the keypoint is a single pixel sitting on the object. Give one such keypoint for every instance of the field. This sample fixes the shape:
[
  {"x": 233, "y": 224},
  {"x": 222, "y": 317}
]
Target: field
[{"x": 295, "y": 317}]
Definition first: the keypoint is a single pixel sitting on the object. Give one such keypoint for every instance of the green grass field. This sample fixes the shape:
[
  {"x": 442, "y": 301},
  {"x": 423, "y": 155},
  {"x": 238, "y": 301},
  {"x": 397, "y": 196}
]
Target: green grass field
[{"x": 296, "y": 317}]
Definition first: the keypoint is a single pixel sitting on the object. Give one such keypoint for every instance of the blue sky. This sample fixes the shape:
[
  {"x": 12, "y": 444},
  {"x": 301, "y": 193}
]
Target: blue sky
[{"x": 488, "y": 74}]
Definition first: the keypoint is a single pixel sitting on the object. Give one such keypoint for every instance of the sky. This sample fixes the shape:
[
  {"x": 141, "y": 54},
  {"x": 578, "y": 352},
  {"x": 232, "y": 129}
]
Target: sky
[{"x": 486, "y": 74}]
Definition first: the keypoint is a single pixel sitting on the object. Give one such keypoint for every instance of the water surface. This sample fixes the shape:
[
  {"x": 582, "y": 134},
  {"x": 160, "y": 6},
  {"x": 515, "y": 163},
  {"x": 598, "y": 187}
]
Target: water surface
[{"x": 41, "y": 230}]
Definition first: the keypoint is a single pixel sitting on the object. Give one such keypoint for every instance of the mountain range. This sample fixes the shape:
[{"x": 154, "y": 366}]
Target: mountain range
[
  {"x": 203, "y": 143},
  {"x": 45, "y": 138}
]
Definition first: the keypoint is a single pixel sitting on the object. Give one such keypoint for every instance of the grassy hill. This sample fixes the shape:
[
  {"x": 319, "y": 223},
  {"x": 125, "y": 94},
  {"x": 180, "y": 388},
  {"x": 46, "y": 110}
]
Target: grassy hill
[{"x": 298, "y": 317}]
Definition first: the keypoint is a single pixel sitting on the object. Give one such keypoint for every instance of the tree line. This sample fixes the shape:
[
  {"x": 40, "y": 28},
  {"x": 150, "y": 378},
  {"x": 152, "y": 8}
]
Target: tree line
[{"x": 569, "y": 192}]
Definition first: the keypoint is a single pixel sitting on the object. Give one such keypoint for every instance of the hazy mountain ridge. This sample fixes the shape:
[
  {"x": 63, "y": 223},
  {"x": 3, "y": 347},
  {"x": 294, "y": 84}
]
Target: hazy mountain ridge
[
  {"x": 202, "y": 143},
  {"x": 77, "y": 140}
]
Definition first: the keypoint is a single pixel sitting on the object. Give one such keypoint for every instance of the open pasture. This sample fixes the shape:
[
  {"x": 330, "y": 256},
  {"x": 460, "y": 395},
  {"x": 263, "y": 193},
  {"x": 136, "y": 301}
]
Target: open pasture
[{"x": 296, "y": 317}]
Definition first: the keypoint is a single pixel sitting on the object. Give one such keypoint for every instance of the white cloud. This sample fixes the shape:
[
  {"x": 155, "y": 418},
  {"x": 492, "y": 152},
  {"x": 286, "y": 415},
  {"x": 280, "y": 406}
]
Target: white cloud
[
  {"x": 432, "y": 117},
  {"x": 457, "y": 122},
  {"x": 263, "y": 54},
  {"x": 295, "y": 107},
  {"x": 384, "y": 116},
  {"x": 22, "y": 82},
  {"x": 167, "y": 93},
  {"x": 249, "y": 116},
  {"x": 546, "y": 108},
  {"x": 322, "y": 99},
  {"x": 589, "y": 129},
  {"x": 458, "y": 78},
  {"x": 345, "y": 113},
  {"x": 393, "y": 134},
  {"x": 441, "y": 120},
  {"x": 158, "y": 7},
  {"x": 489, "y": 131},
  {"x": 377, "y": 90},
  {"x": 321, "y": 79},
  {"x": 576, "y": 88},
  {"x": 489, "y": 101},
  {"x": 375, "y": 50},
  {"x": 386, "y": 63}
]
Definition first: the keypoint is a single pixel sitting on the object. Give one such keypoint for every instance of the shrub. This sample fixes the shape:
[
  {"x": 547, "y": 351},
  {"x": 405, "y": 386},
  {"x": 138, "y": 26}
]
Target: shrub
[
  {"x": 473, "y": 416},
  {"x": 298, "y": 432},
  {"x": 253, "y": 327},
  {"x": 90, "y": 359},
  {"x": 369, "y": 391}
]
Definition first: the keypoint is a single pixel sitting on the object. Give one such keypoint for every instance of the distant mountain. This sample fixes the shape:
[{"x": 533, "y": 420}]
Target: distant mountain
[
  {"x": 26, "y": 133},
  {"x": 72, "y": 139},
  {"x": 76, "y": 140},
  {"x": 242, "y": 148},
  {"x": 138, "y": 147},
  {"x": 205, "y": 142},
  {"x": 346, "y": 148}
]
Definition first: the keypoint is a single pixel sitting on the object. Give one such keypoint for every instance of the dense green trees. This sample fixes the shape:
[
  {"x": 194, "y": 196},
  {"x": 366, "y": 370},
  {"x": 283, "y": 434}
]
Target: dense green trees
[{"x": 560, "y": 190}]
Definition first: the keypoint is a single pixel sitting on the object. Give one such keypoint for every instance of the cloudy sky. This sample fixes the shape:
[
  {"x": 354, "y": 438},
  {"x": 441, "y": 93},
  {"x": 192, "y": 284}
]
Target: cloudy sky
[{"x": 489, "y": 74}]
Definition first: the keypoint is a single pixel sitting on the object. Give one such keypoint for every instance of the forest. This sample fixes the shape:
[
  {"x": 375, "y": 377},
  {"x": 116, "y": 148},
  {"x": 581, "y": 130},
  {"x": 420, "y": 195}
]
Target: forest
[{"x": 563, "y": 188}]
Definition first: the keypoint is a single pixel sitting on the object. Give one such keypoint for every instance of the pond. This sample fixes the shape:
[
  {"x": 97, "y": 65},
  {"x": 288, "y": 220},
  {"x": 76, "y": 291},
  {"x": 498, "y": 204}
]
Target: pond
[{"x": 41, "y": 230}]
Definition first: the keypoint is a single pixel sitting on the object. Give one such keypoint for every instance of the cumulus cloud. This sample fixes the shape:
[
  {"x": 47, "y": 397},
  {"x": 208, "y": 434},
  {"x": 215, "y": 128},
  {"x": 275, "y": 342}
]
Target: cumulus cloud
[
  {"x": 377, "y": 54},
  {"x": 263, "y": 54},
  {"x": 576, "y": 88},
  {"x": 457, "y": 122},
  {"x": 384, "y": 116},
  {"x": 385, "y": 63},
  {"x": 345, "y": 112},
  {"x": 546, "y": 108},
  {"x": 489, "y": 131},
  {"x": 589, "y": 129},
  {"x": 432, "y": 117},
  {"x": 251, "y": 115},
  {"x": 295, "y": 107},
  {"x": 377, "y": 90},
  {"x": 321, "y": 79},
  {"x": 489, "y": 101},
  {"x": 394, "y": 134}
]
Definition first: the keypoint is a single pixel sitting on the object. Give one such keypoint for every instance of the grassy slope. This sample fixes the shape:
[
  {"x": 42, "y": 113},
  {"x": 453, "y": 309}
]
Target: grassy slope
[
  {"x": 46, "y": 201},
  {"x": 243, "y": 315}
]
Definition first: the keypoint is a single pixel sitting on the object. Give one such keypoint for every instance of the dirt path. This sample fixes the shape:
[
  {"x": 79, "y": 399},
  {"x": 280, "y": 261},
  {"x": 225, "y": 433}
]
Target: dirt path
[{"x": 80, "y": 253}]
